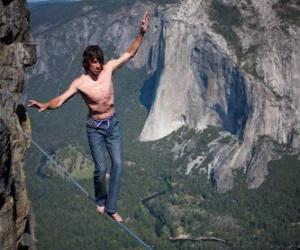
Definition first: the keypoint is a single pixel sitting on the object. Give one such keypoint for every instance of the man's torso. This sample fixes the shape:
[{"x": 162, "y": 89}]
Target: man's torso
[{"x": 98, "y": 95}]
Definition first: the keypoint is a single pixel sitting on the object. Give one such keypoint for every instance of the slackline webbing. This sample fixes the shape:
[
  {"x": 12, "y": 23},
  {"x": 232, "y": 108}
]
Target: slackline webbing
[{"x": 119, "y": 224}]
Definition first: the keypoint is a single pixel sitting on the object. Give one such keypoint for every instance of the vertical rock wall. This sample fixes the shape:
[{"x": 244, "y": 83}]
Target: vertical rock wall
[
  {"x": 231, "y": 64},
  {"x": 17, "y": 51}
]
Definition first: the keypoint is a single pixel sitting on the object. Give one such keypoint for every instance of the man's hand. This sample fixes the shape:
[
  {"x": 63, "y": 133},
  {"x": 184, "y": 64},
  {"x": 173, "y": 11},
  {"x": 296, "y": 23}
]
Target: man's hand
[
  {"x": 133, "y": 48},
  {"x": 144, "y": 23},
  {"x": 40, "y": 106}
]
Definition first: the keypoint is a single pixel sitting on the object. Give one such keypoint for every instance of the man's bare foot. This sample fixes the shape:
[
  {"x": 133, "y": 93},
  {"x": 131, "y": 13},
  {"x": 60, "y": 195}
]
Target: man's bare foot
[
  {"x": 115, "y": 217},
  {"x": 101, "y": 209}
]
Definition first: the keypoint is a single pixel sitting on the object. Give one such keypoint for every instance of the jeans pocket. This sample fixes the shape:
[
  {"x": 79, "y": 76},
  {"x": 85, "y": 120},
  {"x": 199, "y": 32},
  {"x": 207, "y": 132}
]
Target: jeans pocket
[{"x": 91, "y": 135}]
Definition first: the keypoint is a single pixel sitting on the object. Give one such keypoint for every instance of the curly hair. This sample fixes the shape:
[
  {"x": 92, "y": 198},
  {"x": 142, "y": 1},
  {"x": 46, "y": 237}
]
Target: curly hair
[{"x": 91, "y": 52}]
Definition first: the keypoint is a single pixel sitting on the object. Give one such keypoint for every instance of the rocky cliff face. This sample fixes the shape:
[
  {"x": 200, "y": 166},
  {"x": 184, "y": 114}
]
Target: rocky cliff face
[
  {"x": 16, "y": 53},
  {"x": 231, "y": 64}
]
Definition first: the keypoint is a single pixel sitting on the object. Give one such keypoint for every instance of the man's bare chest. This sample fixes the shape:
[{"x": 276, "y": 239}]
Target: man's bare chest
[{"x": 97, "y": 91}]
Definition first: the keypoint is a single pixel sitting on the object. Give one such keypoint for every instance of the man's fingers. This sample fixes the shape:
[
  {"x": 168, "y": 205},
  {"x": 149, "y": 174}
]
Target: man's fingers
[
  {"x": 144, "y": 22},
  {"x": 30, "y": 103},
  {"x": 33, "y": 103},
  {"x": 145, "y": 17}
]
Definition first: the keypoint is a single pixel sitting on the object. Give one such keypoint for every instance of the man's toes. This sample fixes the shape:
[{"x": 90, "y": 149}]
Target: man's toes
[
  {"x": 101, "y": 209},
  {"x": 115, "y": 217}
]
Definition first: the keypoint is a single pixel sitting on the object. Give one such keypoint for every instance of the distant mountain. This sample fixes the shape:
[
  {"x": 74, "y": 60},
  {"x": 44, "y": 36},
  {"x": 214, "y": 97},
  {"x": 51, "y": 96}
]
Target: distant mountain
[{"x": 223, "y": 64}]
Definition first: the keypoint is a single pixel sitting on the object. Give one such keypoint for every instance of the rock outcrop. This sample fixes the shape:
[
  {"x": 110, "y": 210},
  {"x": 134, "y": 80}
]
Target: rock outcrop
[
  {"x": 231, "y": 64},
  {"x": 17, "y": 51}
]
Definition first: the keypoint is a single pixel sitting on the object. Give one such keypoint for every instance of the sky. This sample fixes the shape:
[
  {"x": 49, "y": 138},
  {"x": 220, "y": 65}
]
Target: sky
[{"x": 36, "y": 1}]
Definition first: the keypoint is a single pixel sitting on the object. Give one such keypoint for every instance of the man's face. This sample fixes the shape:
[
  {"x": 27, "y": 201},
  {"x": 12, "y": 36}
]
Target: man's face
[{"x": 95, "y": 66}]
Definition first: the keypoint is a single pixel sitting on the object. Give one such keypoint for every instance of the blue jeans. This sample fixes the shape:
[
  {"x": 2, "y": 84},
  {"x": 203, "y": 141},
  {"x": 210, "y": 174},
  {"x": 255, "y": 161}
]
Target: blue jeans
[{"x": 104, "y": 136}]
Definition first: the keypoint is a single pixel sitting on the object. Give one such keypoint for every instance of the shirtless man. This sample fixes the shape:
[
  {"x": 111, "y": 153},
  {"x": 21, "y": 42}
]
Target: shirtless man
[{"x": 103, "y": 130}]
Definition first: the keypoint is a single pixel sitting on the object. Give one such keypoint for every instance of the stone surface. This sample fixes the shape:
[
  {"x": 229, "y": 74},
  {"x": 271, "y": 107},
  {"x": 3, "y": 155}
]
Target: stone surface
[
  {"x": 237, "y": 71},
  {"x": 17, "y": 51}
]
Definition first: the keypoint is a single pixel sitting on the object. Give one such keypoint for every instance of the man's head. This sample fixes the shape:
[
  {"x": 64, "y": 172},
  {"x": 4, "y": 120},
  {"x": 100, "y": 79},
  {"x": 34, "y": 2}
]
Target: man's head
[{"x": 92, "y": 59}]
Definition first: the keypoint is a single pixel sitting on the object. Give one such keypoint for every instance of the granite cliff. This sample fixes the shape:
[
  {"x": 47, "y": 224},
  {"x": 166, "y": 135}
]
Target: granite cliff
[
  {"x": 16, "y": 53},
  {"x": 231, "y": 64}
]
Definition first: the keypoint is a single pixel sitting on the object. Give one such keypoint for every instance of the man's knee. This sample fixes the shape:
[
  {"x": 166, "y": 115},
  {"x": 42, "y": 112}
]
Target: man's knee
[
  {"x": 117, "y": 164},
  {"x": 99, "y": 172}
]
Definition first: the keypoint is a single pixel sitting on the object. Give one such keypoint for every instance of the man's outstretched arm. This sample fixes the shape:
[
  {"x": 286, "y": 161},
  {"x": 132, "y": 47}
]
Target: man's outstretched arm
[
  {"x": 57, "y": 101},
  {"x": 133, "y": 48}
]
